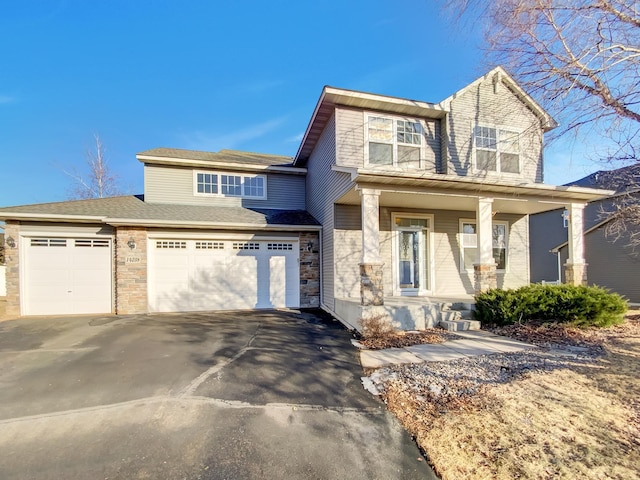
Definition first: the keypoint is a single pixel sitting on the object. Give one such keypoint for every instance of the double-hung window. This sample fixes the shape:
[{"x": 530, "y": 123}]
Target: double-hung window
[
  {"x": 469, "y": 244},
  {"x": 230, "y": 185},
  {"x": 497, "y": 149},
  {"x": 394, "y": 141}
]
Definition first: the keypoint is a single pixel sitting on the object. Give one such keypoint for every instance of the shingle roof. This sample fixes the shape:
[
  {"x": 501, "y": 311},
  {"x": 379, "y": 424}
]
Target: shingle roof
[
  {"x": 223, "y": 156},
  {"x": 133, "y": 208},
  {"x": 621, "y": 179}
]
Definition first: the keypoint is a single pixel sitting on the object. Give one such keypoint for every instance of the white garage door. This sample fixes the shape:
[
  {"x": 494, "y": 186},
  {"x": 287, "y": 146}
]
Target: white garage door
[
  {"x": 66, "y": 276},
  {"x": 197, "y": 275}
]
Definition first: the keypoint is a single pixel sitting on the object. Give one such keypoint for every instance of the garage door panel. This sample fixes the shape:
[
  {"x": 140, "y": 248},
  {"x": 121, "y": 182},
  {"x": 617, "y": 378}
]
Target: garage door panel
[
  {"x": 66, "y": 276},
  {"x": 223, "y": 275}
]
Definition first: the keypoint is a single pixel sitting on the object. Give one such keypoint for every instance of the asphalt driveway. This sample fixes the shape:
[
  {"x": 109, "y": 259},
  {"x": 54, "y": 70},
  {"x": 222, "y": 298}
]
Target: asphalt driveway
[{"x": 251, "y": 395}]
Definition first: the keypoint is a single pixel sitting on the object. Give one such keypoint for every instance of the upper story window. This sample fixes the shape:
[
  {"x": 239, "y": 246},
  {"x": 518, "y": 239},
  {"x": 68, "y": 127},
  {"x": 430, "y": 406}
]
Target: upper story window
[
  {"x": 230, "y": 185},
  {"x": 497, "y": 149},
  {"x": 394, "y": 141}
]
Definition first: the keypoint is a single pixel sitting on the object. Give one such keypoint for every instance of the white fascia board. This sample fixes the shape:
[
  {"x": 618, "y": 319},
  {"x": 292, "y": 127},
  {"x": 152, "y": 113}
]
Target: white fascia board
[
  {"x": 351, "y": 171},
  {"x": 153, "y": 160},
  {"x": 118, "y": 222},
  {"x": 589, "y": 194}
]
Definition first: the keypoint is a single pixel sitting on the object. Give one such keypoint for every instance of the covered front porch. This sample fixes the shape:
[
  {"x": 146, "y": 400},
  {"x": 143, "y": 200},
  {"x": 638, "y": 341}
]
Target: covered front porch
[
  {"x": 416, "y": 249},
  {"x": 412, "y": 313}
]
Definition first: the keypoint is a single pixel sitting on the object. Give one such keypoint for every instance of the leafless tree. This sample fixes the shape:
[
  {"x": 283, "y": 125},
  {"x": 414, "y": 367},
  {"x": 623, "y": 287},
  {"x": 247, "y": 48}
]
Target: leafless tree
[
  {"x": 581, "y": 60},
  {"x": 96, "y": 179}
]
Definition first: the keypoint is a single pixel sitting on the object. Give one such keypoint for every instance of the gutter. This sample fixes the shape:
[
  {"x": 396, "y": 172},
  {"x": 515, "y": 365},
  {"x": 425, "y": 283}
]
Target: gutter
[
  {"x": 119, "y": 222},
  {"x": 154, "y": 160}
]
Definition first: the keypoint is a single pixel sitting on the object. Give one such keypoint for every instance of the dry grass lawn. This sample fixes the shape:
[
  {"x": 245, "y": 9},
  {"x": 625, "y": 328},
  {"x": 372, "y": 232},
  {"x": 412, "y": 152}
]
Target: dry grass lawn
[{"x": 576, "y": 422}]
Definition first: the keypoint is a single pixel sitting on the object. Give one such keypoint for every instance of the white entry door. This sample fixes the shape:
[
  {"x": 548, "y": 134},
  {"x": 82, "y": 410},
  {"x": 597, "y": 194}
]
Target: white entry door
[
  {"x": 412, "y": 248},
  {"x": 66, "y": 276},
  {"x": 217, "y": 274}
]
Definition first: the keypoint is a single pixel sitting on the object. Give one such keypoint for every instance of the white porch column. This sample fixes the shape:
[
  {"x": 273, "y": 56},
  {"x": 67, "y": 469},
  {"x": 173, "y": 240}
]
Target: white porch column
[
  {"x": 370, "y": 225},
  {"x": 485, "y": 266},
  {"x": 371, "y": 287},
  {"x": 576, "y": 268}
]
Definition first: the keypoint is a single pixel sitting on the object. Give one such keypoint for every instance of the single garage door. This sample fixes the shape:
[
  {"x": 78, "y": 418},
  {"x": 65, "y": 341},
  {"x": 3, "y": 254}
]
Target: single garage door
[
  {"x": 198, "y": 275},
  {"x": 66, "y": 276}
]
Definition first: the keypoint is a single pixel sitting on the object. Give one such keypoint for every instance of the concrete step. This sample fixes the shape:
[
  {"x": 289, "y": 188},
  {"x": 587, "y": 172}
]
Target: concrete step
[
  {"x": 459, "y": 325},
  {"x": 457, "y": 306},
  {"x": 455, "y": 315}
]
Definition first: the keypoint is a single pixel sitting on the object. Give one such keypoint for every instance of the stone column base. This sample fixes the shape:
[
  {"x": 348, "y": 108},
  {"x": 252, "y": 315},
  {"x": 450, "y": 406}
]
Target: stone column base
[
  {"x": 371, "y": 287},
  {"x": 575, "y": 273},
  {"x": 484, "y": 277}
]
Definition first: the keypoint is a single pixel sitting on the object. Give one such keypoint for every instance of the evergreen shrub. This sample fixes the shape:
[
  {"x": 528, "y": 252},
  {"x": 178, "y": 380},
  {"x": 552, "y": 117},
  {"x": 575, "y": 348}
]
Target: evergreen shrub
[{"x": 576, "y": 305}]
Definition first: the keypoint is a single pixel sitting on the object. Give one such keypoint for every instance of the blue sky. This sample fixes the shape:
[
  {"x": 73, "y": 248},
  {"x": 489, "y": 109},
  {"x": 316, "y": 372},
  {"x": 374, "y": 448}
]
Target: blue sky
[{"x": 208, "y": 75}]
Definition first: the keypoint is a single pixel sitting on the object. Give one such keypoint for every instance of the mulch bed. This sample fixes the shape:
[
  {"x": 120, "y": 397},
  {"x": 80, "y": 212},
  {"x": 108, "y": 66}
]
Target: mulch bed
[
  {"x": 406, "y": 339},
  {"x": 547, "y": 334}
]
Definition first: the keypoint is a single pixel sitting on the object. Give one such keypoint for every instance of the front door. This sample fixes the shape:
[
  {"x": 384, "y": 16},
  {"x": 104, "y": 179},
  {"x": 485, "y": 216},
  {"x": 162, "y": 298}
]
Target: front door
[{"x": 412, "y": 255}]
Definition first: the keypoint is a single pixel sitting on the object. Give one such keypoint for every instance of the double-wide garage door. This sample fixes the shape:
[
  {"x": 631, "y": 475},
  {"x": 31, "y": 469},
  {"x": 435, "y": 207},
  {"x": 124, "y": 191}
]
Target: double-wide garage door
[
  {"x": 217, "y": 274},
  {"x": 66, "y": 276}
]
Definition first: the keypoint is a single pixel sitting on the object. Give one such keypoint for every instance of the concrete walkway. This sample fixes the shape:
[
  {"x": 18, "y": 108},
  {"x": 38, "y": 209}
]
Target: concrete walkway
[{"x": 473, "y": 343}]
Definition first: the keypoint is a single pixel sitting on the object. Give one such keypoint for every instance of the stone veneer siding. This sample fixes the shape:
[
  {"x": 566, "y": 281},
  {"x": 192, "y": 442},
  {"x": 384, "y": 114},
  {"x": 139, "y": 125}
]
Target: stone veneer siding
[
  {"x": 575, "y": 273},
  {"x": 12, "y": 260},
  {"x": 371, "y": 284},
  {"x": 485, "y": 277},
  {"x": 131, "y": 271},
  {"x": 309, "y": 270}
]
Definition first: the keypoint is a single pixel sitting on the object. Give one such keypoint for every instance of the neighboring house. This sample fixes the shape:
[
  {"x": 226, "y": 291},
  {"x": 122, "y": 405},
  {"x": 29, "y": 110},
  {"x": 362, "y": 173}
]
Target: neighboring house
[
  {"x": 612, "y": 262},
  {"x": 386, "y": 198}
]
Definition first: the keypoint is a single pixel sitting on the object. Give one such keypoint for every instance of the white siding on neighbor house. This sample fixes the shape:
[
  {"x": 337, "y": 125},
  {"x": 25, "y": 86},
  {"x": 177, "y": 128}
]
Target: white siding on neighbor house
[
  {"x": 174, "y": 185},
  {"x": 448, "y": 280},
  {"x": 324, "y": 187},
  {"x": 350, "y": 139},
  {"x": 480, "y": 105}
]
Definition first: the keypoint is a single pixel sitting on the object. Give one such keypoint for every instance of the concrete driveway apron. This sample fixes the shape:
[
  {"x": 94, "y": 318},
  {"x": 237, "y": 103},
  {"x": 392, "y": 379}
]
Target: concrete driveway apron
[{"x": 226, "y": 395}]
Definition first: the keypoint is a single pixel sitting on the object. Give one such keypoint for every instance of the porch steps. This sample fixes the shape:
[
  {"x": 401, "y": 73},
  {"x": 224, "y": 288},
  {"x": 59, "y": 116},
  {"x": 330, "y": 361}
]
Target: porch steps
[{"x": 458, "y": 316}]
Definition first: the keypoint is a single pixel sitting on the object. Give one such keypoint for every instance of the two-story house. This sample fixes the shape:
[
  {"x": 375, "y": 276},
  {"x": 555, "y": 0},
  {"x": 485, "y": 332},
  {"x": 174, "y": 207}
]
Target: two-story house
[{"x": 389, "y": 206}]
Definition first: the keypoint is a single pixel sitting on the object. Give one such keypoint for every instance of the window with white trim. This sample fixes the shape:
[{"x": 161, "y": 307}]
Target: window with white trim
[
  {"x": 397, "y": 142},
  {"x": 497, "y": 149},
  {"x": 220, "y": 184},
  {"x": 469, "y": 244}
]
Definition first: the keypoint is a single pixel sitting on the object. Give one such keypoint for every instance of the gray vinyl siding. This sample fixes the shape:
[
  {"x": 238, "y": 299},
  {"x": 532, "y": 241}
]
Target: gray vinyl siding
[
  {"x": 324, "y": 187},
  {"x": 547, "y": 231},
  {"x": 613, "y": 264},
  {"x": 349, "y": 131},
  {"x": 447, "y": 278},
  {"x": 350, "y": 139},
  {"x": 610, "y": 264},
  {"x": 174, "y": 185},
  {"x": 480, "y": 105}
]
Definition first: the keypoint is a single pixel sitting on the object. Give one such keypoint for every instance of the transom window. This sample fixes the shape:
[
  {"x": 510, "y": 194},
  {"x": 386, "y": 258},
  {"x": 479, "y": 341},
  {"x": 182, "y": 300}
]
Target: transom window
[
  {"x": 230, "y": 185},
  {"x": 497, "y": 149},
  {"x": 469, "y": 244},
  {"x": 394, "y": 142}
]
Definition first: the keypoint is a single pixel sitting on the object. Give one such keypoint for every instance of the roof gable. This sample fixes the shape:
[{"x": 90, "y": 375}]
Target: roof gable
[{"x": 499, "y": 74}]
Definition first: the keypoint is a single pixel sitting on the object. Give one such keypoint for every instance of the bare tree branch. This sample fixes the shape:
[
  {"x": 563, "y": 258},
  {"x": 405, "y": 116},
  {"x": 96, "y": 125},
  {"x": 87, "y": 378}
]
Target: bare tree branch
[
  {"x": 96, "y": 180},
  {"x": 581, "y": 60}
]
